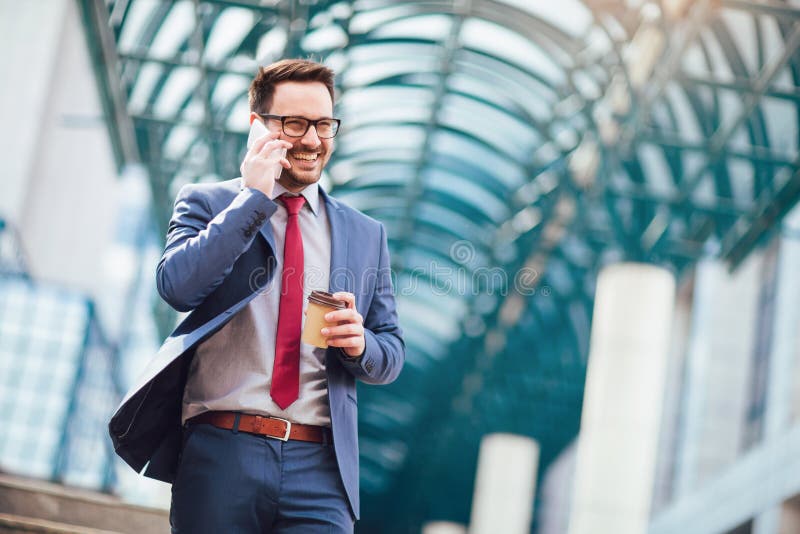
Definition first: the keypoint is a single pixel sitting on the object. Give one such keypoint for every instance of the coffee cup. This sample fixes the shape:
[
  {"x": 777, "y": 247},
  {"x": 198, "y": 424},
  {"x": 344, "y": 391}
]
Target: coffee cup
[{"x": 319, "y": 303}]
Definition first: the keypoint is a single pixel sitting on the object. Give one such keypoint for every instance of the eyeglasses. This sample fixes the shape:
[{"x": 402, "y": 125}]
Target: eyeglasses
[{"x": 298, "y": 126}]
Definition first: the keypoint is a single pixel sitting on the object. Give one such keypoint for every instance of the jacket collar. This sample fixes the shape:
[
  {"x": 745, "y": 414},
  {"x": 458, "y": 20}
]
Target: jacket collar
[
  {"x": 340, "y": 272},
  {"x": 311, "y": 194}
]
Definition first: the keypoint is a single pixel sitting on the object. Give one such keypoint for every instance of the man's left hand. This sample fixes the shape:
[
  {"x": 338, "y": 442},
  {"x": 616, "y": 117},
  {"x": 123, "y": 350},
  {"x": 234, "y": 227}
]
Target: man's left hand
[{"x": 348, "y": 334}]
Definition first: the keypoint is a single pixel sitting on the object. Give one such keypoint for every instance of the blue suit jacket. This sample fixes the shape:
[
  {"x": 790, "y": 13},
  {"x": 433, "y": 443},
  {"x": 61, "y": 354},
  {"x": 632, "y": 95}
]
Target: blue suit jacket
[{"x": 219, "y": 255}]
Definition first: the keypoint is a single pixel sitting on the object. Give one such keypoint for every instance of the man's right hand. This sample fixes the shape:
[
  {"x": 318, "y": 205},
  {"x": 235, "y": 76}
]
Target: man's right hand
[{"x": 258, "y": 168}]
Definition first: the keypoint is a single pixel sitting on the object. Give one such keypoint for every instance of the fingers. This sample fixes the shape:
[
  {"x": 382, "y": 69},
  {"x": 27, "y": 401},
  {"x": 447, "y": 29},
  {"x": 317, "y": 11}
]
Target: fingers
[
  {"x": 352, "y": 344},
  {"x": 265, "y": 144},
  {"x": 263, "y": 148},
  {"x": 346, "y": 330},
  {"x": 349, "y": 315},
  {"x": 261, "y": 141},
  {"x": 272, "y": 144},
  {"x": 347, "y": 298},
  {"x": 348, "y": 334}
]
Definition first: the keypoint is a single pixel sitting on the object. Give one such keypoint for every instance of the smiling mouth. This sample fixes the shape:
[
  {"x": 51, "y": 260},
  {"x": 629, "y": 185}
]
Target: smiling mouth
[{"x": 305, "y": 156}]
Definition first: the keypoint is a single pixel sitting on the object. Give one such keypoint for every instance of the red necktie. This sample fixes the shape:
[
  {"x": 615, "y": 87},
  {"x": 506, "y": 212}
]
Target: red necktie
[{"x": 286, "y": 369}]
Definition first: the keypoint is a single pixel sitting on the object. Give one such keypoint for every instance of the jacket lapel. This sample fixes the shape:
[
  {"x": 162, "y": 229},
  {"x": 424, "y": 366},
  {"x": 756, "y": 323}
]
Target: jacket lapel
[
  {"x": 266, "y": 232},
  {"x": 339, "y": 274}
]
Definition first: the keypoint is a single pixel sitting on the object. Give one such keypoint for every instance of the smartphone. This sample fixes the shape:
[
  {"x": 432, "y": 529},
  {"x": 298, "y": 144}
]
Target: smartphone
[{"x": 257, "y": 130}]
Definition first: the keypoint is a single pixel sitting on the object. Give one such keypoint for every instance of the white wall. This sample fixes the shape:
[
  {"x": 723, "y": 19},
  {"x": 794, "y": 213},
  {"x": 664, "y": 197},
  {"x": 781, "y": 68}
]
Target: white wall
[
  {"x": 59, "y": 181},
  {"x": 32, "y": 31},
  {"x": 723, "y": 485},
  {"x": 757, "y": 481}
]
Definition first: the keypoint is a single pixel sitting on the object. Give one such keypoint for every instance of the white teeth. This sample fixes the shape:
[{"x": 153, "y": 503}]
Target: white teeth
[{"x": 306, "y": 157}]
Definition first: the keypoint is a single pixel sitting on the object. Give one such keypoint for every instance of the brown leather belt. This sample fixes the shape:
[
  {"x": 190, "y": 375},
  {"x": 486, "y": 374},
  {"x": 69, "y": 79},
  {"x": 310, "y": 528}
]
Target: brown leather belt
[{"x": 273, "y": 427}]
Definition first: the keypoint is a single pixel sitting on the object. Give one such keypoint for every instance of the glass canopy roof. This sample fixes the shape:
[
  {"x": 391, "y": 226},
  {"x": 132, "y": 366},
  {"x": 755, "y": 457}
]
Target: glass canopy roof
[{"x": 511, "y": 148}]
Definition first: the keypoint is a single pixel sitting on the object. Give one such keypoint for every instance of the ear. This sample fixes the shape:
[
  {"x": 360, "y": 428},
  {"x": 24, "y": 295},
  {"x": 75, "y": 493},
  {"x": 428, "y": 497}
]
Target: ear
[{"x": 253, "y": 116}]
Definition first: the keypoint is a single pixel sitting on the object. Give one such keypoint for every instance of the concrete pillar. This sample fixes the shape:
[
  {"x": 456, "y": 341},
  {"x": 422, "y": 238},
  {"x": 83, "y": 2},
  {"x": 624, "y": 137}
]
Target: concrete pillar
[
  {"x": 443, "y": 527},
  {"x": 555, "y": 494},
  {"x": 505, "y": 485},
  {"x": 618, "y": 440},
  {"x": 718, "y": 373}
]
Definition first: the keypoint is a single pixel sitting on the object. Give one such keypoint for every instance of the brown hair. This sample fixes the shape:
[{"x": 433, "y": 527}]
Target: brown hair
[{"x": 262, "y": 87}]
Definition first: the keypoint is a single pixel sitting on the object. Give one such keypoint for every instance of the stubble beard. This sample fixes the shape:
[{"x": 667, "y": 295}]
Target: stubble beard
[
  {"x": 291, "y": 180},
  {"x": 295, "y": 181}
]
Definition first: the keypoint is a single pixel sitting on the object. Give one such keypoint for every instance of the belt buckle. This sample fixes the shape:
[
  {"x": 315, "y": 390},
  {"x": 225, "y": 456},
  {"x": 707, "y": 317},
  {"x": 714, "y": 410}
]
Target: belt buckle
[{"x": 288, "y": 429}]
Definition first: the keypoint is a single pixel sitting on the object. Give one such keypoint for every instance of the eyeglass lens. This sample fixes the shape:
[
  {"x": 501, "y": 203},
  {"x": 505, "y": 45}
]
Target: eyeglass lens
[{"x": 298, "y": 126}]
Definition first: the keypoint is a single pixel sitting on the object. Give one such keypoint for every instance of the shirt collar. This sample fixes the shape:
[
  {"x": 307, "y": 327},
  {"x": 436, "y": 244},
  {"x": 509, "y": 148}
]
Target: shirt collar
[{"x": 311, "y": 194}]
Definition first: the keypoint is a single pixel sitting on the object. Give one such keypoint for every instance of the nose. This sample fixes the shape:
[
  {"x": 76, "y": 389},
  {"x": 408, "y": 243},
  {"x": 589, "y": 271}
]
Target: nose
[{"x": 311, "y": 139}]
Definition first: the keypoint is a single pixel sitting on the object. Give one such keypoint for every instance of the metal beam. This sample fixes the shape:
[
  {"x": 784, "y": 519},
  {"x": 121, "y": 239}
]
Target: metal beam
[
  {"x": 749, "y": 229},
  {"x": 103, "y": 52},
  {"x": 644, "y": 192},
  {"x": 740, "y": 85},
  {"x": 766, "y": 7},
  {"x": 755, "y": 154},
  {"x": 179, "y": 61},
  {"x": 763, "y": 81},
  {"x": 723, "y": 134}
]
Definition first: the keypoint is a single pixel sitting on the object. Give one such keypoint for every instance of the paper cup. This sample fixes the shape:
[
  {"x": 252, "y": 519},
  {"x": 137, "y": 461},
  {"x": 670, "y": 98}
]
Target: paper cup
[{"x": 319, "y": 303}]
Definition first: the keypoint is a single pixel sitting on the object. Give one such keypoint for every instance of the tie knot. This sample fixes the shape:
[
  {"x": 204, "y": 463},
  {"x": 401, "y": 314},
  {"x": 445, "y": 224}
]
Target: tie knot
[{"x": 293, "y": 204}]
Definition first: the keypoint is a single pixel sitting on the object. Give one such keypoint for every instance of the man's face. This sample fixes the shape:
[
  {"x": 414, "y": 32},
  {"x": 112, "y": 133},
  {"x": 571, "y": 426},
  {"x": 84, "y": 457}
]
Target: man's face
[{"x": 309, "y": 154}]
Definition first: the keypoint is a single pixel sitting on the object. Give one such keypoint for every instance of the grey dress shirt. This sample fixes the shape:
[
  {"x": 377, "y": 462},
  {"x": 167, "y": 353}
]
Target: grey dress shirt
[{"x": 232, "y": 370}]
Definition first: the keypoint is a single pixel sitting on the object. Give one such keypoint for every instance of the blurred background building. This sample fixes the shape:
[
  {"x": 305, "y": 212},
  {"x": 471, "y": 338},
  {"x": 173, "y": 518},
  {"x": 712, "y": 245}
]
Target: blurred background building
[{"x": 591, "y": 211}]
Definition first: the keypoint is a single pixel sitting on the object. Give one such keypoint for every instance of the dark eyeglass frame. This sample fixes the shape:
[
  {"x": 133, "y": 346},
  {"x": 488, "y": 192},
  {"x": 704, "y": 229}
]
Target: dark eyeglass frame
[{"x": 309, "y": 123}]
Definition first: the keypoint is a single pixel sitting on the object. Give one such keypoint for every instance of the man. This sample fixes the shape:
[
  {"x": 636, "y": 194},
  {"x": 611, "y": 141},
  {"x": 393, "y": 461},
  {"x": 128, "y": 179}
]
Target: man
[{"x": 257, "y": 431}]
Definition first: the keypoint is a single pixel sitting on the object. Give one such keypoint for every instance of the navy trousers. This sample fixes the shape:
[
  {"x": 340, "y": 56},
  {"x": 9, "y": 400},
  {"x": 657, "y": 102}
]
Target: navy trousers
[{"x": 238, "y": 483}]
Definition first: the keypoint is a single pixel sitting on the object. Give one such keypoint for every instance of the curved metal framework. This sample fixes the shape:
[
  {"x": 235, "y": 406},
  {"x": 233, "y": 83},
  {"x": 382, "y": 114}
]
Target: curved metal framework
[{"x": 511, "y": 148}]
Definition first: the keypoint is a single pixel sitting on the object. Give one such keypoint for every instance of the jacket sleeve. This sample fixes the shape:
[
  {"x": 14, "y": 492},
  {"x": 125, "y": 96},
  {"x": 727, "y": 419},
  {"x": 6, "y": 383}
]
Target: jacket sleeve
[
  {"x": 202, "y": 246},
  {"x": 384, "y": 353}
]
